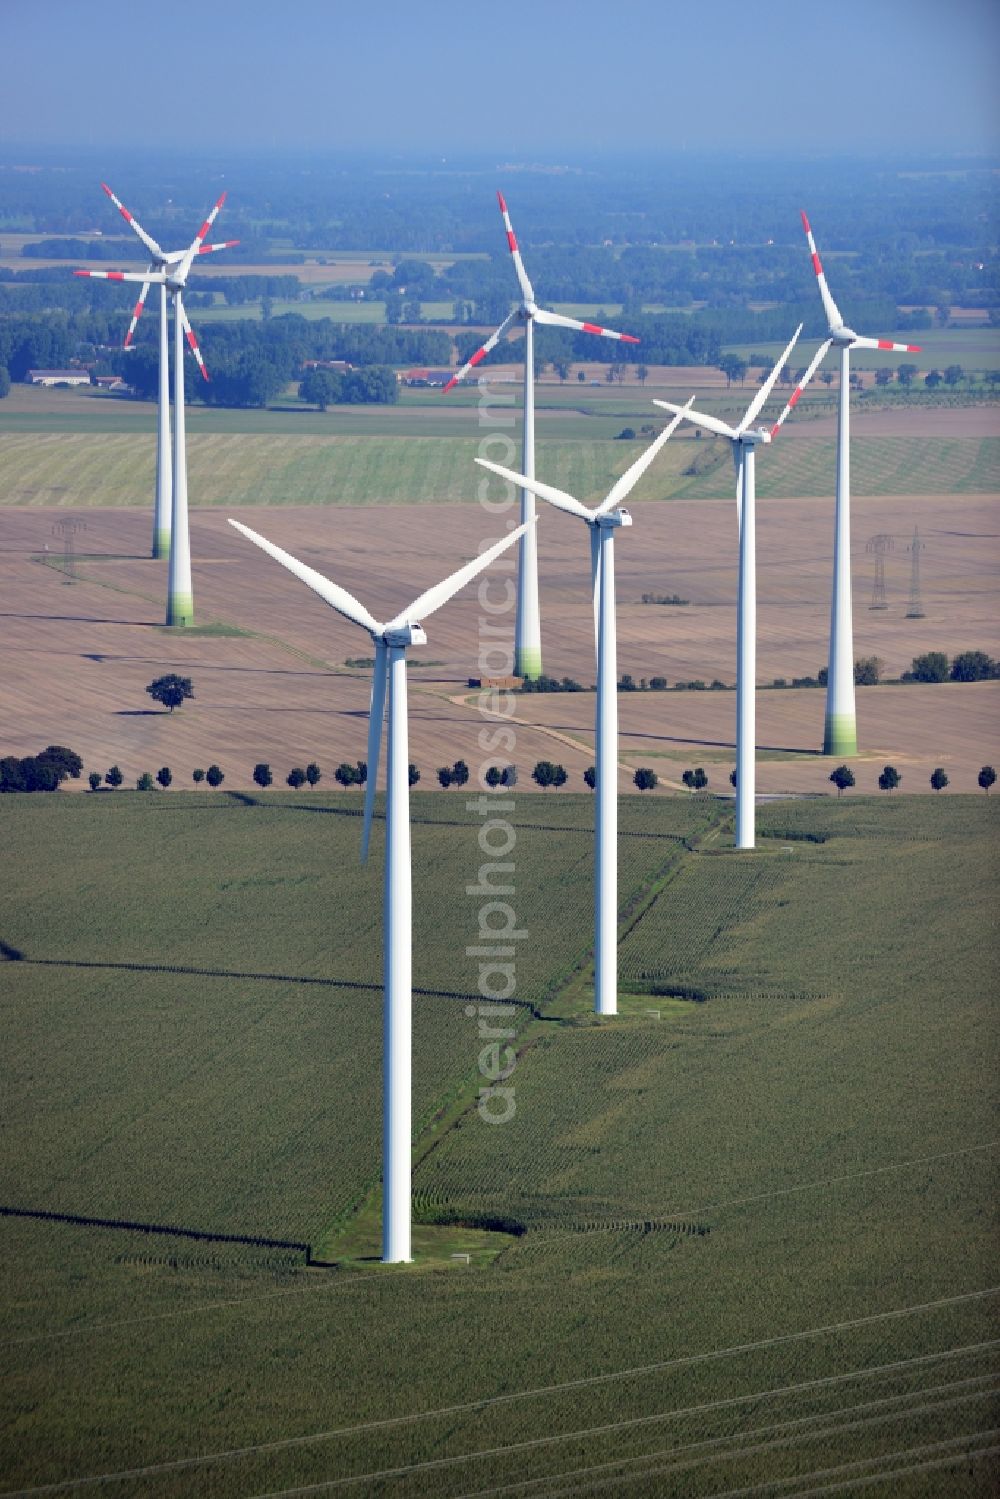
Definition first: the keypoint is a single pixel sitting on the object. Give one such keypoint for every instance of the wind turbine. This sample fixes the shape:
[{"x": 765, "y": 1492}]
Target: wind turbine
[
  {"x": 528, "y": 635},
  {"x": 602, "y": 522},
  {"x": 745, "y": 440},
  {"x": 840, "y": 730},
  {"x": 170, "y": 272},
  {"x": 391, "y": 641}
]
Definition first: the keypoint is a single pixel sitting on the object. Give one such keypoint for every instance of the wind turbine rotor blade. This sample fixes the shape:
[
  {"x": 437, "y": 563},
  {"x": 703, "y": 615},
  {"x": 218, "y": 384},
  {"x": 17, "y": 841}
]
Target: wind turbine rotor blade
[
  {"x": 700, "y": 419},
  {"x": 138, "y": 276},
  {"x": 199, "y": 240},
  {"x": 793, "y": 399},
  {"x": 765, "y": 390},
  {"x": 558, "y": 320},
  {"x": 331, "y": 593},
  {"x": 833, "y": 317},
  {"x": 192, "y": 341},
  {"x": 376, "y": 714},
  {"x": 136, "y": 313},
  {"x": 557, "y": 497},
  {"x": 886, "y": 343},
  {"x": 134, "y": 225},
  {"x": 481, "y": 354},
  {"x": 522, "y": 275},
  {"x": 429, "y": 602},
  {"x": 222, "y": 244},
  {"x": 632, "y": 475}
]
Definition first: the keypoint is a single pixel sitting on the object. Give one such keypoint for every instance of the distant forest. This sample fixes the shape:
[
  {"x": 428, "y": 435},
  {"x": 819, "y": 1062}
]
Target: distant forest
[{"x": 718, "y": 246}]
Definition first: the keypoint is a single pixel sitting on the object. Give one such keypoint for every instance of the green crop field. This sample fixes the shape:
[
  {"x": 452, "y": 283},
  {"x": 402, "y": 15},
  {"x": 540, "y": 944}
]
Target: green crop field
[
  {"x": 737, "y": 1238},
  {"x": 299, "y": 467},
  {"x": 337, "y": 312}
]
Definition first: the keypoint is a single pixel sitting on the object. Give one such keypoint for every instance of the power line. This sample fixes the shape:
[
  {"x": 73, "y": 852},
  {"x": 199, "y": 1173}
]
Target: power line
[
  {"x": 878, "y": 546},
  {"x": 916, "y": 607}
]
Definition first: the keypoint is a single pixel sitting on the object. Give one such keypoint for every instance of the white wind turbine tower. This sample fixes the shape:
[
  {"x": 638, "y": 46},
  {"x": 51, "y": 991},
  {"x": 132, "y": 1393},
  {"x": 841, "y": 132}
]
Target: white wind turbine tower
[
  {"x": 158, "y": 260},
  {"x": 391, "y": 641},
  {"x": 745, "y": 440},
  {"x": 602, "y": 522},
  {"x": 170, "y": 274},
  {"x": 840, "y": 730},
  {"x": 528, "y": 634}
]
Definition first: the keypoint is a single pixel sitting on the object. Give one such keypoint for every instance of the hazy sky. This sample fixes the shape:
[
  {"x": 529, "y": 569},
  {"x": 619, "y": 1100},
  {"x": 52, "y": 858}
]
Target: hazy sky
[{"x": 533, "y": 76}]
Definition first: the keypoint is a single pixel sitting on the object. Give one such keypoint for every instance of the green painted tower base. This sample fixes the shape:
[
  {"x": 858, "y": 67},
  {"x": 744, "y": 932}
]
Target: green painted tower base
[
  {"x": 161, "y": 546},
  {"x": 180, "y": 610},
  {"x": 528, "y": 662},
  {"x": 840, "y": 734}
]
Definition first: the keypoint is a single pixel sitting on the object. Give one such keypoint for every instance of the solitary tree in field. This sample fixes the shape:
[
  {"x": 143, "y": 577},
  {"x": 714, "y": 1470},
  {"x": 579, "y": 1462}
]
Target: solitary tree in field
[
  {"x": 932, "y": 667},
  {"x": 460, "y": 773},
  {"x": 987, "y": 776},
  {"x": 493, "y": 776},
  {"x": 938, "y": 779},
  {"x": 114, "y": 776},
  {"x": 509, "y": 777},
  {"x": 732, "y": 778},
  {"x": 414, "y": 774},
  {"x": 320, "y": 388},
  {"x": 170, "y": 690},
  {"x": 444, "y": 776},
  {"x": 641, "y": 373},
  {"x": 889, "y": 779},
  {"x": 645, "y": 779},
  {"x": 733, "y": 367},
  {"x": 345, "y": 775},
  {"x": 906, "y": 374},
  {"x": 546, "y": 773},
  {"x": 868, "y": 670},
  {"x": 884, "y": 376},
  {"x": 313, "y": 773},
  {"x": 688, "y": 779},
  {"x": 164, "y": 776},
  {"x": 145, "y": 782},
  {"x": 296, "y": 777},
  {"x": 361, "y": 772},
  {"x": 842, "y": 778},
  {"x": 198, "y": 776},
  {"x": 95, "y": 779},
  {"x": 214, "y": 776},
  {"x": 65, "y": 762},
  {"x": 968, "y": 666},
  {"x": 700, "y": 779},
  {"x": 590, "y": 776},
  {"x": 262, "y": 774}
]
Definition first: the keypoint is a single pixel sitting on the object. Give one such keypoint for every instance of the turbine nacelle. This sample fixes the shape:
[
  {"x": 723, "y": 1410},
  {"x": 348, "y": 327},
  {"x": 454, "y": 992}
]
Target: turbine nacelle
[
  {"x": 612, "y": 520},
  {"x": 754, "y": 437},
  {"x": 400, "y": 636},
  {"x": 843, "y": 337}
]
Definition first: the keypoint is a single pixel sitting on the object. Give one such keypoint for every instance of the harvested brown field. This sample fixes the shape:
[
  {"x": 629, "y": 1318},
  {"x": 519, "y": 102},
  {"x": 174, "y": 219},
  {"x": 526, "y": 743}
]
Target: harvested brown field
[{"x": 80, "y": 654}]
